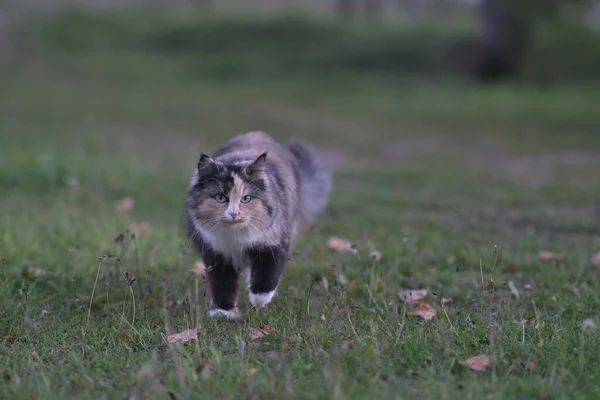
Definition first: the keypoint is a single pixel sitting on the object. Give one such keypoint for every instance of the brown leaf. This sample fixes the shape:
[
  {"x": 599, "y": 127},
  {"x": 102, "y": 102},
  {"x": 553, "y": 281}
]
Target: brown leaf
[
  {"x": 125, "y": 205},
  {"x": 139, "y": 227},
  {"x": 596, "y": 259},
  {"x": 446, "y": 300},
  {"x": 251, "y": 371},
  {"x": 338, "y": 244},
  {"x": 531, "y": 366},
  {"x": 199, "y": 268},
  {"x": 90, "y": 380},
  {"x": 424, "y": 311},
  {"x": 550, "y": 256},
  {"x": 267, "y": 329},
  {"x": 478, "y": 363},
  {"x": 256, "y": 333},
  {"x": 263, "y": 330},
  {"x": 185, "y": 336},
  {"x": 412, "y": 296}
]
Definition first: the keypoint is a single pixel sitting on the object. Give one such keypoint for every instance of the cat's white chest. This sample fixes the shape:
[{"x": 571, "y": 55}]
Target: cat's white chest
[{"x": 232, "y": 245}]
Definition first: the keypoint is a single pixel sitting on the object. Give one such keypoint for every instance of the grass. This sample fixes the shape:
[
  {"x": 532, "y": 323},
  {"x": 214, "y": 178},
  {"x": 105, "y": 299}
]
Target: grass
[{"x": 435, "y": 176}]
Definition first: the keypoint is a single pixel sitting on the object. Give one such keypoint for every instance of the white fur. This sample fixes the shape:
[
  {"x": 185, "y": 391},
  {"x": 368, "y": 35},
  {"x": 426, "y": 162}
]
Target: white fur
[
  {"x": 261, "y": 299},
  {"x": 233, "y": 240},
  {"x": 218, "y": 312}
]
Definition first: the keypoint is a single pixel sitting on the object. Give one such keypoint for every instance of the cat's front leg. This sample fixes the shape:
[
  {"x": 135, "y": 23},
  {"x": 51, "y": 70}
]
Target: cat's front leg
[
  {"x": 223, "y": 279},
  {"x": 266, "y": 267}
]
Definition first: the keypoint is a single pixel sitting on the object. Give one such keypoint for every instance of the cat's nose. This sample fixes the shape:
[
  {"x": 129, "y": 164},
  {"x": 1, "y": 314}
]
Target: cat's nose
[{"x": 234, "y": 214}]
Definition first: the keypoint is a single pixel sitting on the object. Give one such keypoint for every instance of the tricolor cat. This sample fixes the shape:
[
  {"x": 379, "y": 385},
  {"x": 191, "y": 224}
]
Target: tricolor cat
[{"x": 245, "y": 205}]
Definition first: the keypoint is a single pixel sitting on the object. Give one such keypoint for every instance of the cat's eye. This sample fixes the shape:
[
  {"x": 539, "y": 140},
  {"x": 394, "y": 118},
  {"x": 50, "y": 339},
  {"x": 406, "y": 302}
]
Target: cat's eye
[
  {"x": 220, "y": 198},
  {"x": 246, "y": 199}
]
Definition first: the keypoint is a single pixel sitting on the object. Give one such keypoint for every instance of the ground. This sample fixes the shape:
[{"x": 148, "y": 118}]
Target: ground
[{"x": 459, "y": 188}]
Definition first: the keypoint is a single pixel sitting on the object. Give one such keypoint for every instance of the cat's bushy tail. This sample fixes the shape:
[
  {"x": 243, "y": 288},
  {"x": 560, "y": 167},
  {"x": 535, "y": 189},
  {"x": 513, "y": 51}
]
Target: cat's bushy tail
[{"x": 315, "y": 180}]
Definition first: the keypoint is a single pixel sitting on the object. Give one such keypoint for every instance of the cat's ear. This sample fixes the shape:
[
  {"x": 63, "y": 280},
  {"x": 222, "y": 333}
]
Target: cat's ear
[
  {"x": 204, "y": 162},
  {"x": 257, "y": 165}
]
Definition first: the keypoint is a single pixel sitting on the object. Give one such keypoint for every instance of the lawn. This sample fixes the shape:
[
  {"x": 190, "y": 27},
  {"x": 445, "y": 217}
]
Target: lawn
[{"x": 486, "y": 197}]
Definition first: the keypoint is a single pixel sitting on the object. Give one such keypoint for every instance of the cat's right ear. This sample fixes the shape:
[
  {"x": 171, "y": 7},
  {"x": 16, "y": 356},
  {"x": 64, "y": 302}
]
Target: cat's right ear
[{"x": 204, "y": 162}]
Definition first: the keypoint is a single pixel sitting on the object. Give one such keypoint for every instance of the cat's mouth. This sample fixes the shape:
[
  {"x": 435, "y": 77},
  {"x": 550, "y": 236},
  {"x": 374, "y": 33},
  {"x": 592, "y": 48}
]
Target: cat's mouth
[{"x": 233, "y": 221}]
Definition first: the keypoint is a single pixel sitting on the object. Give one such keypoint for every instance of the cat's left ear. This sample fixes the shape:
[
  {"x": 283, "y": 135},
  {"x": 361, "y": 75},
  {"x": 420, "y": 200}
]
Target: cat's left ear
[
  {"x": 204, "y": 161},
  {"x": 257, "y": 165}
]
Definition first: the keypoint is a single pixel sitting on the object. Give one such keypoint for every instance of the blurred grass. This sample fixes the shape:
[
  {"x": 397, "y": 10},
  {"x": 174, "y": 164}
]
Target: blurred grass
[{"x": 435, "y": 172}]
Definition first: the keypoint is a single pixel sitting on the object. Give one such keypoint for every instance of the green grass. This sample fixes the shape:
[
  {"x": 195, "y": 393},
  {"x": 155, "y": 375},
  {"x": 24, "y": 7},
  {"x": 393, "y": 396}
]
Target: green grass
[{"x": 435, "y": 175}]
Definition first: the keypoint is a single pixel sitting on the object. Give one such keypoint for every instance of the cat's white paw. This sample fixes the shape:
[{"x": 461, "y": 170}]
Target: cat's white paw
[
  {"x": 220, "y": 313},
  {"x": 259, "y": 300}
]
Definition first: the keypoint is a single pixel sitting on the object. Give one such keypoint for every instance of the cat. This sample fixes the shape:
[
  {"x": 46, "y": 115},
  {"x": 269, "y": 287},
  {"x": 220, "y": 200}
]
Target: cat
[{"x": 245, "y": 205}]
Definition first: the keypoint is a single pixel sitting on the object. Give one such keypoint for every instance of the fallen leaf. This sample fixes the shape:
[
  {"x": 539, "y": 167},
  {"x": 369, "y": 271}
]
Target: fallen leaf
[
  {"x": 251, "y": 371},
  {"x": 424, "y": 311},
  {"x": 90, "y": 380},
  {"x": 375, "y": 255},
  {"x": 338, "y": 244},
  {"x": 478, "y": 363},
  {"x": 548, "y": 256},
  {"x": 263, "y": 330},
  {"x": 596, "y": 259},
  {"x": 8, "y": 338},
  {"x": 446, "y": 300},
  {"x": 588, "y": 325},
  {"x": 139, "y": 227},
  {"x": 340, "y": 311},
  {"x": 412, "y": 296},
  {"x": 199, "y": 268},
  {"x": 256, "y": 333},
  {"x": 125, "y": 205},
  {"x": 185, "y": 336},
  {"x": 266, "y": 328}
]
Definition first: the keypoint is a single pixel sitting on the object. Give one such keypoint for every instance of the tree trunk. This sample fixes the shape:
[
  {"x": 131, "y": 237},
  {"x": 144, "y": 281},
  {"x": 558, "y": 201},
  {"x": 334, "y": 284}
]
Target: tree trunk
[{"x": 503, "y": 38}]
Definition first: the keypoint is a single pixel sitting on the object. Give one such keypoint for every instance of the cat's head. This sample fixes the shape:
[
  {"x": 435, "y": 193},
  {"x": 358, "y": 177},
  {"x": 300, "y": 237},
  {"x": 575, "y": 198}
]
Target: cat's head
[{"x": 235, "y": 197}]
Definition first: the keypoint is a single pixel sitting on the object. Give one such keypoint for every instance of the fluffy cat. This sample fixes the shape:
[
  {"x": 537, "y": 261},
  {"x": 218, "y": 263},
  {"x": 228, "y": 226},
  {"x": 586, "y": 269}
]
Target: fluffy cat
[{"x": 244, "y": 207}]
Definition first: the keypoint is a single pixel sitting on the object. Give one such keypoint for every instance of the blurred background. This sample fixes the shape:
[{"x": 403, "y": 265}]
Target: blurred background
[{"x": 122, "y": 96}]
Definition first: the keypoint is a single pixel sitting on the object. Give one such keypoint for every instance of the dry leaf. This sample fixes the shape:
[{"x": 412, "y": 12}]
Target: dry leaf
[
  {"x": 139, "y": 227},
  {"x": 256, "y": 333},
  {"x": 478, "y": 363},
  {"x": 446, "y": 300},
  {"x": 596, "y": 259},
  {"x": 263, "y": 330},
  {"x": 185, "y": 336},
  {"x": 267, "y": 329},
  {"x": 548, "y": 256},
  {"x": 125, "y": 205},
  {"x": 251, "y": 371},
  {"x": 199, "y": 268},
  {"x": 412, "y": 296},
  {"x": 90, "y": 380},
  {"x": 375, "y": 255},
  {"x": 338, "y": 244},
  {"x": 424, "y": 311}
]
